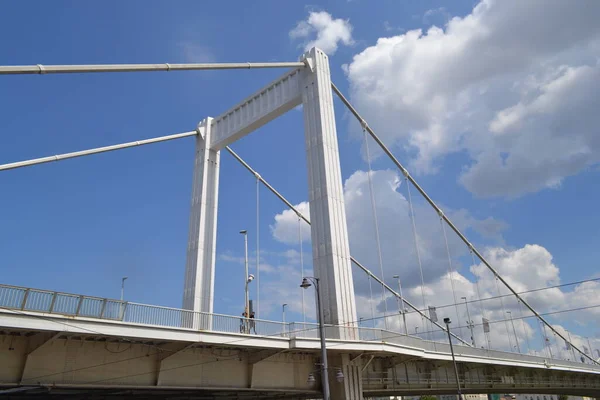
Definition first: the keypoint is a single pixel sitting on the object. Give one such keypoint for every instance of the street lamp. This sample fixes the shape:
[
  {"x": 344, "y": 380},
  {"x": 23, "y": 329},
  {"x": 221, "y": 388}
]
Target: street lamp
[
  {"x": 416, "y": 330},
  {"x": 121, "y": 307},
  {"x": 402, "y": 309},
  {"x": 123, "y": 279},
  {"x": 447, "y": 322},
  {"x": 306, "y": 283},
  {"x": 246, "y": 276},
  {"x": 470, "y": 322},
  {"x": 514, "y": 331}
]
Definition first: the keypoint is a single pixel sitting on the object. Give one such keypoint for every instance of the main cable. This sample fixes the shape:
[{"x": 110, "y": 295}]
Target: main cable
[{"x": 439, "y": 211}]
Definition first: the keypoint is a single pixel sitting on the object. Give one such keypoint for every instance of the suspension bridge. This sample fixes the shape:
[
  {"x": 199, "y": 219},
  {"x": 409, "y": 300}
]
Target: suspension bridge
[{"x": 59, "y": 344}]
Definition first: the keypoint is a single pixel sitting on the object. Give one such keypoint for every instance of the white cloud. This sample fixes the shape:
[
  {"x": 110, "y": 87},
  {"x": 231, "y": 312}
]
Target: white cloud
[
  {"x": 436, "y": 14},
  {"x": 329, "y": 32},
  {"x": 515, "y": 92},
  {"x": 526, "y": 268},
  {"x": 287, "y": 225}
]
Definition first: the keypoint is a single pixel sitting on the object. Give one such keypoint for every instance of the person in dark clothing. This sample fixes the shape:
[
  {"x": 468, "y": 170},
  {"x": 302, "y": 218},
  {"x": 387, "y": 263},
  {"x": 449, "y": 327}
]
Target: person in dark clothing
[{"x": 252, "y": 323}]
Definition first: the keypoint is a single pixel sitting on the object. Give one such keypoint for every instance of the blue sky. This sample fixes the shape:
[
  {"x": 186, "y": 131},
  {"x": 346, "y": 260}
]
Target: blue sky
[{"x": 80, "y": 225}]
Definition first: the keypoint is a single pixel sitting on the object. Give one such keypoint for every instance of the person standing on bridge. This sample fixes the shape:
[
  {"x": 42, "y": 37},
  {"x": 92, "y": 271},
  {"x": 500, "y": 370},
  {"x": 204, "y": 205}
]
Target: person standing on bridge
[
  {"x": 252, "y": 323},
  {"x": 244, "y": 323}
]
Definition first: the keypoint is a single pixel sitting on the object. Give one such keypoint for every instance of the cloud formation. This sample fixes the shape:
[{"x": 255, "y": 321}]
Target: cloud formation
[
  {"x": 525, "y": 268},
  {"x": 514, "y": 92},
  {"x": 329, "y": 32}
]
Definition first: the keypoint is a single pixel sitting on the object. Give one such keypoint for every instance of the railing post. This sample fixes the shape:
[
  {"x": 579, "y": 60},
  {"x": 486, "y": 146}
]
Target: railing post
[
  {"x": 52, "y": 303},
  {"x": 103, "y": 308},
  {"x": 24, "y": 302},
  {"x": 79, "y": 305}
]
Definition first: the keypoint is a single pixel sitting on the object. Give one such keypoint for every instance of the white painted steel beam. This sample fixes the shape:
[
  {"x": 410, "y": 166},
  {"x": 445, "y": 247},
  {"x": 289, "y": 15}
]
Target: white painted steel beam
[
  {"x": 329, "y": 232},
  {"x": 273, "y": 100},
  {"x": 198, "y": 293}
]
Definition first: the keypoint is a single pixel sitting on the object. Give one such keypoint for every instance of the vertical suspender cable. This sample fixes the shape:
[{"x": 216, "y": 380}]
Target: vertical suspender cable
[
  {"x": 451, "y": 276},
  {"x": 257, "y": 247},
  {"x": 503, "y": 313},
  {"x": 418, "y": 253},
  {"x": 377, "y": 238},
  {"x": 371, "y": 300},
  {"x": 301, "y": 269},
  {"x": 483, "y": 310},
  {"x": 557, "y": 346},
  {"x": 547, "y": 345},
  {"x": 523, "y": 324},
  {"x": 352, "y": 259}
]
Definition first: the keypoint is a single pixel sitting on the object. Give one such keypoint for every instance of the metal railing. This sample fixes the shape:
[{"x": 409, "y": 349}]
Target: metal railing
[
  {"x": 45, "y": 301},
  {"x": 49, "y": 302}
]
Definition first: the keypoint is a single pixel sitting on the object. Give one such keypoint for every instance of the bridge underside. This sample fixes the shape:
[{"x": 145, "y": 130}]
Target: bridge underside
[
  {"x": 123, "y": 392},
  {"x": 159, "y": 364}
]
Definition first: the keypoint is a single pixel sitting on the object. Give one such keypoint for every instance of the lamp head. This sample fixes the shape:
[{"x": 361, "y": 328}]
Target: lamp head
[
  {"x": 250, "y": 278},
  {"x": 396, "y": 276},
  {"x": 243, "y": 232},
  {"x": 447, "y": 320},
  {"x": 305, "y": 284}
]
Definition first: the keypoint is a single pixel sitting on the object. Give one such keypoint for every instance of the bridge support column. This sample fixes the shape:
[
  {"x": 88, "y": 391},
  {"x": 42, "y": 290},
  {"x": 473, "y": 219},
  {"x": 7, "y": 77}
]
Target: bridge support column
[
  {"x": 350, "y": 388},
  {"x": 330, "y": 246},
  {"x": 202, "y": 240}
]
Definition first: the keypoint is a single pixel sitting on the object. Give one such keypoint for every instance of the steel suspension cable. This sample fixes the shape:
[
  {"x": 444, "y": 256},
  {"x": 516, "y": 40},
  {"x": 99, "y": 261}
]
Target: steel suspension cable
[
  {"x": 451, "y": 273},
  {"x": 417, "y": 251},
  {"x": 371, "y": 301},
  {"x": 448, "y": 221},
  {"x": 503, "y": 313},
  {"x": 484, "y": 299},
  {"x": 65, "y": 69},
  {"x": 483, "y": 310},
  {"x": 376, "y": 226},
  {"x": 523, "y": 325},
  {"x": 352, "y": 259},
  {"x": 257, "y": 247},
  {"x": 65, "y": 156}
]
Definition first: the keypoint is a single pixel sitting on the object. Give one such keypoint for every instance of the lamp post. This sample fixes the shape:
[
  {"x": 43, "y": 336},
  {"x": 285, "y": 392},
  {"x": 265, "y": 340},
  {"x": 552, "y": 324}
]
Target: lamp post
[
  {"x": 416, "y": 331},
  {"x": 470, "y": 322},
  {"x": 401, "y": 306},
  {"x": 447, "y": 322},
  {"x": 512, "y": 321},
  {"x": 246, "y": 276},
  {"x": 123, "y": 279},
  {"x": 306, "y": 283},
  {"x": 121, "y": 306}
]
